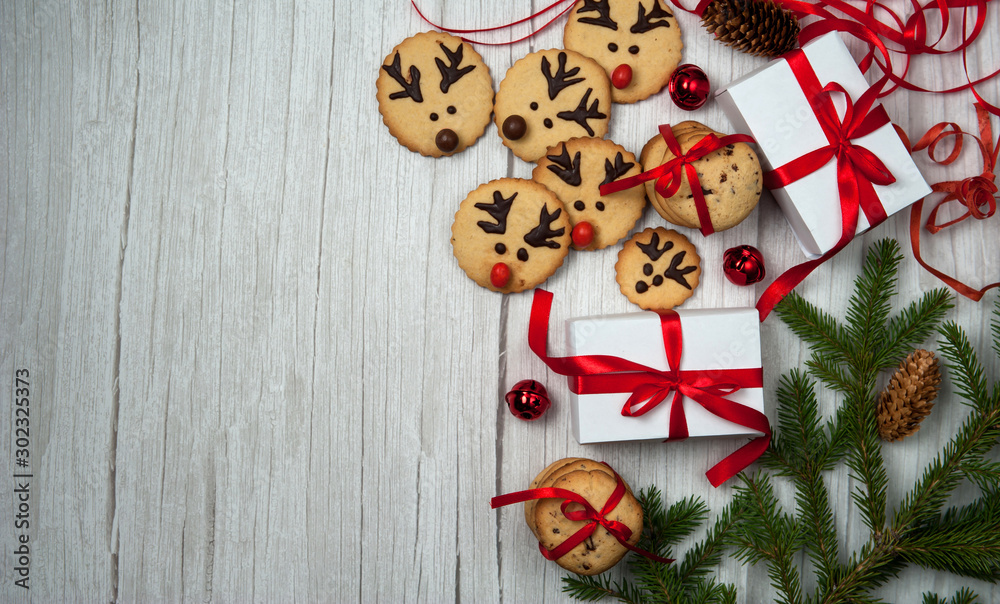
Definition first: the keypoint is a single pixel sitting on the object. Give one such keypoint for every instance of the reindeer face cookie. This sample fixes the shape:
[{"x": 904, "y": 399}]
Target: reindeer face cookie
[
  {"x": 637, "y": 42},
  {"x": 658, "y": 269},
  {"x": 510, "y": 234},
  {"x": 575, "y": 171},
  {"x": 435, "y": 94},
  {"x": 551, "y": 96}
]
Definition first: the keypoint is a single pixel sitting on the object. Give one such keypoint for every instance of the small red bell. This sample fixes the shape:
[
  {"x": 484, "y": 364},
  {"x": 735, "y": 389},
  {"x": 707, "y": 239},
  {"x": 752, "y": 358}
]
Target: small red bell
[
  {"x": 743, "y": 265},
  {"x": 688, "y": 87},
  {"x": 528, "y": 400}
]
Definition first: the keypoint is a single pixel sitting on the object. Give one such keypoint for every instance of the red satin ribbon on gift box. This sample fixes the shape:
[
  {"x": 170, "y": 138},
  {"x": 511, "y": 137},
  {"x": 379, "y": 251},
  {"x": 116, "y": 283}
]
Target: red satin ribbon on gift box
[
  {"x": 618, "y": 530},
  {"x": 670, "y": 175},
  {"x": 977, "y": 194},
  {"x": 603, "y": 374},
  {"x": 858, "y": 169}
]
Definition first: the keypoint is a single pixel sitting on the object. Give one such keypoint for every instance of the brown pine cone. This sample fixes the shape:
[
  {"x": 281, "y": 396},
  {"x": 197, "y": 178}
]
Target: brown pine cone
[
  {"x": 908, "y": 398},
  {"x": 756, "y": 27}
]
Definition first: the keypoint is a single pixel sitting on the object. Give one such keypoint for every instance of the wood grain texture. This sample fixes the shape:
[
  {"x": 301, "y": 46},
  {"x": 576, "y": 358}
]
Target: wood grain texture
[{"x": 257, "y": 371}]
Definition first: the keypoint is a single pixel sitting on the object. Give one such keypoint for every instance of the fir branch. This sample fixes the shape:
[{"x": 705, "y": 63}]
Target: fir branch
[
  {"x": 865, "y": 456},
  {"x": 868, "y": 309},
  {"x": 914, "y": 325},
  {"x": 700, "y": 558},
  {"x": 833, "y": 375},
  {"x": 823, "y": 332},
  {"x": 592, "y": 589},
  {"x": 995, "y": 327},
  {"x": 763, "y": 533},
  {"x": 962, "y": 596},
  {"x": 978, "y": 434}
]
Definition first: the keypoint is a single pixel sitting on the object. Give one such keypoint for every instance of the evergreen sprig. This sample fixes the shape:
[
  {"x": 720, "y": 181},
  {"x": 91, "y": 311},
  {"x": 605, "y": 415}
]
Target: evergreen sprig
[{"x": 847, "y": 358}]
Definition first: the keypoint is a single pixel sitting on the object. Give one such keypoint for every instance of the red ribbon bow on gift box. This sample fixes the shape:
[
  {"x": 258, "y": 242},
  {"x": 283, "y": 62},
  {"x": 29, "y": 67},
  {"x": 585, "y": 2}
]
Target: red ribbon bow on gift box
[
  {"x": 602, "y": 374},
  {"x": 618, "y": 530},
  {"x": 858, "y": 169},
  {"x": 670, "y": 175}
]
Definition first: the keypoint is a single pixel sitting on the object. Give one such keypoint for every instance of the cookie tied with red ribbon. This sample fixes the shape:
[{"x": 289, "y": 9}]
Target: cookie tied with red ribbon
[
  {"x": 698, "y": 178},
  {"x": 583, "y": 514}
]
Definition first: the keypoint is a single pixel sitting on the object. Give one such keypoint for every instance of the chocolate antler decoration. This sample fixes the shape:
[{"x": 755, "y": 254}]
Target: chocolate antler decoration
[
  {"x": 604, "y": 13},
  {"x": 566, "y": 168},
  {"x": 410, "y": 89},
  {"x": 678, "y": 274},
  {"x": 613, "y": 173},
  {"x": 582, "y": 113},
  {"x": 451, "y": 73},
  {"x": 561, "y": 79},
  {"x": 645, "y": 22},
  {"x": 540, "y": 235},
  {"x": 653, "y": 250},
  {"x": 498, "y": 210}
]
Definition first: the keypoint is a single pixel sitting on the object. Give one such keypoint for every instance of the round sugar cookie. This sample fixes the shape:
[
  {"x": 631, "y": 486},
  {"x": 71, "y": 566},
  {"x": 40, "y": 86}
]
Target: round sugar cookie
[
  {"x": 576, "y": 169},
  {"x": 658, "y": 269},
  {"x": 637, "y": 42},
  {"x": 435, "y": 94},
  {"x": 550, "y": 96},
  {"x": 512, "y": 222}
]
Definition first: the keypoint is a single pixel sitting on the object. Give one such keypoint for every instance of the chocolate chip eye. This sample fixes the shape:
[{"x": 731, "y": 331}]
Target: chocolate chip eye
[
  {"x": 647, "y": 269},
  {"x": 658, "y": 280},
  {"x": 613, "y": 47},
  {"x": 434, "y": 117},
  {"x": 534, "y": 106},
  {"x": 600, "y": 206},
  {"x": 633, "y": 49},
  {"x": 522, "y": 255},
  {"x": 579, "y": 205},
  {"x": 548, "y": 123},
  {"x": 451, "y": 110},
  {"x": 641, "y": 287},
  {"x": 500, "y": 248}
]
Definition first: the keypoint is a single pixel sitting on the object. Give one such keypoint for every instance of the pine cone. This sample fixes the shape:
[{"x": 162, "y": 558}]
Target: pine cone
[
  {"x": 908, "y": 398},
  {"x": 756, "y": 27}
]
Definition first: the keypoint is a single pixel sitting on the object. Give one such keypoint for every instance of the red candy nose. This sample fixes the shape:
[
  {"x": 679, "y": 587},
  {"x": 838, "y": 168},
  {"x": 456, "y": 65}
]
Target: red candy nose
[
  {"x": 621, "y": 76},
  {"x": 583, "y": 234},
  {"x": 500, "y": 275}
]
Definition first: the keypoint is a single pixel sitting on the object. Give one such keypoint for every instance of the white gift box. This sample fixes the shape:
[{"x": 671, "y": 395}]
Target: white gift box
[
  {"x": 769, "y": 105},
  {"x": 714, "y": 339}
]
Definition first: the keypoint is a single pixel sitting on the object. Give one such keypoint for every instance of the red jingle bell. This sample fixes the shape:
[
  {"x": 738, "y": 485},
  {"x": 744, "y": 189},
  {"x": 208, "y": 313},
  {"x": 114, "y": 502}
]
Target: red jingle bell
[
  {"x": 688, "y": 87},
  {"x": 528, "y": 400},
  {"x": 743, "y": 265}
]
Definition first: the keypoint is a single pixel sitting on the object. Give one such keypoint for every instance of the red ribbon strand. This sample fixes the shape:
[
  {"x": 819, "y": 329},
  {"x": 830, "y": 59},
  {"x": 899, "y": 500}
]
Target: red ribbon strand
[
  {"x": 977, "y": 194},
  {"x": 648, "y": 387},
  {"x": 858, "y": 169},
  {"x": 669, "y": 176},
  {"x": 621, "y": 532}
]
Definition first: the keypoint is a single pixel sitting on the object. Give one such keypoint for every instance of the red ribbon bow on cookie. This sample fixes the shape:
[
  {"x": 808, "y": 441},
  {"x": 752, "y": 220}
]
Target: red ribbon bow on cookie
[
  {"x": 601, "y": 374},
  {"x": 669, "y": 176},
  {"x": 616, "y": 529}
]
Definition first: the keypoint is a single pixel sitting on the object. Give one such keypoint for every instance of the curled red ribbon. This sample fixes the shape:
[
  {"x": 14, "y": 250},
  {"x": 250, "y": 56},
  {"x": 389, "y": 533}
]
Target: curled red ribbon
[
  {"x": 588, "y": 513},
  {"x": 669, "y": 176},
  {"x": 601, "y": 374},
  {"x": 977, "y": 194},
  {"x": 858, "y": 169}
]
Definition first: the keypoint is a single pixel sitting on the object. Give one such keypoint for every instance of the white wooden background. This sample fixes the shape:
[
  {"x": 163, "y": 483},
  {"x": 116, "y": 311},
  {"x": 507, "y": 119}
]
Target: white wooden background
[{"x": 257, "y": 373}]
